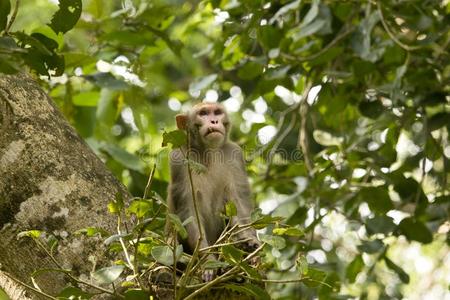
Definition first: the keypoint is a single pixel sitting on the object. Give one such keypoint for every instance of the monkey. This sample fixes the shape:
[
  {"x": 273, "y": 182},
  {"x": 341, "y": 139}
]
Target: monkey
[{"x": 224, "y": 178}]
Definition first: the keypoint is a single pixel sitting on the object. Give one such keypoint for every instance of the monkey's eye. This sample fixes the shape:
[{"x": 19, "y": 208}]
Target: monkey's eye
[
  {"x": 203, "y": 113},
  {"x": 218, "y": 112}
]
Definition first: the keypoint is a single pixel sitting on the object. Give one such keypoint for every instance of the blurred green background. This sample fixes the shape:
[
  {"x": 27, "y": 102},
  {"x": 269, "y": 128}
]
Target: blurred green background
[{"x": 341, "y": 107}]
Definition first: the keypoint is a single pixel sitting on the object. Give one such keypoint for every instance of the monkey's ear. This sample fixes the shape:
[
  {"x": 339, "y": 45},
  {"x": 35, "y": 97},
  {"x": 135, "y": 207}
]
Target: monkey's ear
[{"x": 181, "y": 121}]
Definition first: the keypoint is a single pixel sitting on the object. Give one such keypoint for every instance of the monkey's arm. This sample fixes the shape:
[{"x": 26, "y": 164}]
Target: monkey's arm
[
  {"x": 180, "y": 199},
  {"x": 241, "y": 194}
]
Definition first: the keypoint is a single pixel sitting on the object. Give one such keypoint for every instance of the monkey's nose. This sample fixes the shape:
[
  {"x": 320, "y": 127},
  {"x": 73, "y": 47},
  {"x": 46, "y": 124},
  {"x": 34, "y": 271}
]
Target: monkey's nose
[{"x": 214, "y": 122}]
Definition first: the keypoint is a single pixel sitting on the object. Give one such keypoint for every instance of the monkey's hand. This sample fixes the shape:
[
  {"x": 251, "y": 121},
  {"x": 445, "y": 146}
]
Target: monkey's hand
[{"x": 208, "y": 275}]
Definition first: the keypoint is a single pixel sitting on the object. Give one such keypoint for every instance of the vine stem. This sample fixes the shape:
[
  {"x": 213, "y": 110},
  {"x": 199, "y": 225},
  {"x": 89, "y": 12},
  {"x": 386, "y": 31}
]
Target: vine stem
[
  {"x": 13, "y": 17},
  {"x": 189, "y": 268}
]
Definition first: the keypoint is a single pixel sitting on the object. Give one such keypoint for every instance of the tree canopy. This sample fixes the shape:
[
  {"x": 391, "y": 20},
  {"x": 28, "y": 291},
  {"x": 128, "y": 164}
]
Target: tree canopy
[{"x": 342, "y": 109}]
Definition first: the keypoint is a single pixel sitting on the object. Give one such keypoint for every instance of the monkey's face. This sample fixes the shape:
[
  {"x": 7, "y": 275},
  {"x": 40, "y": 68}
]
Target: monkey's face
[{"x": 211, "y": 121}]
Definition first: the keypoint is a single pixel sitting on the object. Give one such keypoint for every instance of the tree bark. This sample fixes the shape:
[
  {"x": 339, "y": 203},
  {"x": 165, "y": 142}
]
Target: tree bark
[{"x": 50, "y": 180}]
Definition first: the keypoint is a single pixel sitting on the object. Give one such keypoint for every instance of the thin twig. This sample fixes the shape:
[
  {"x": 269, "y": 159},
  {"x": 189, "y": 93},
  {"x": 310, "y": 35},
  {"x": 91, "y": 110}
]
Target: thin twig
[
  {"x": 149, "y": 182},
  {"x": 42, "y": 247},
  {"x": 224, "y": 276},
  {"x": 174, "y": 271},
  {"x": 29, "y": 286},
  {"x": 302, "y": 134},
  {"x": 225, "y": 244},
  {"x": 277, "y": 144},
  {"x": 13, "y": 17},
  {"x": 336, "y": 40},
  {"x": 391, "y": 34}
]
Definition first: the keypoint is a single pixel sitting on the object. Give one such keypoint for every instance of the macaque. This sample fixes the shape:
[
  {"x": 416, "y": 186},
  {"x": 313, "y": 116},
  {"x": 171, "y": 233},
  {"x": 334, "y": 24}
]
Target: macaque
[{"x": 223, "y": 180}]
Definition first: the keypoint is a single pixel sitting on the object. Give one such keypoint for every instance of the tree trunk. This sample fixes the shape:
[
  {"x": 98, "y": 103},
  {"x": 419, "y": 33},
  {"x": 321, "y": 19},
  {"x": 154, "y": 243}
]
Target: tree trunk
[{"x": 50, "y": 180}]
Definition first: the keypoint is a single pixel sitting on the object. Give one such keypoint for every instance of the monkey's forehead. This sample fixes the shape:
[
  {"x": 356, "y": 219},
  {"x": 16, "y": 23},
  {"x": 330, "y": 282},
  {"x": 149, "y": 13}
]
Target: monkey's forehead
[{"x": 201, "y": 105}]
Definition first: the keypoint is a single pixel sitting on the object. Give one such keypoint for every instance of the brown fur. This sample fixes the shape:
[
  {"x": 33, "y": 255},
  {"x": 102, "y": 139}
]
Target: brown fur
[{"x": 224, "y": 178}]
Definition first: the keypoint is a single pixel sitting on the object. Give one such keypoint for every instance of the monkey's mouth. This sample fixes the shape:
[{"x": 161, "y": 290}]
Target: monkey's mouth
[{"x": 213, "y": 130}]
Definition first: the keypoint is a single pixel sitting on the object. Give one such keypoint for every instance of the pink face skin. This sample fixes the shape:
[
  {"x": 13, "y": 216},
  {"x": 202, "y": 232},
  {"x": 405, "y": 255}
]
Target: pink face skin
[{"x": 212, "y": 123}]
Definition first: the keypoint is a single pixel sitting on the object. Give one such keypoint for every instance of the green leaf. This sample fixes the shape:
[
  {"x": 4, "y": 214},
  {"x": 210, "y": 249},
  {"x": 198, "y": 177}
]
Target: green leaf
[
  {"x": 269, "y": 36},
  {"x": 108, "y": 275},
  {"x": 380, "y": 224},
  {"x": 140, "y": 207},
  {"x": 34, "y": 234},
  {"x": 3, "y": 295},
  {"x": 230, "y": 209},
  {"x": 88, "y": 99},
  {"x": 438, "y": 120},
  {"x": 371, "y": 109},
  {"x": 40, "y": 55},
  {"x": 78, "y": 59},
  {"x": 92, "y": 231},
  {"x": 164, "y": 254},
  {"x": 215, "y": 264},
  {"x": 414, "y": 230},
  {"x": 354, "y": 268},
  {"x": 371, "y": 247},
  {"x": 314, "y": 278},
  {"x": 9, "y": 44},
  {"x": 290, "y": 231},
  {"x": 107, "y": 80},
  {"x": 404, "y": 277},
  {"x": 250, "y": 70},
  {"x": 249, "y": 289},
  {"x": 5, "y": 7},
  {"x": 127, "y": 159},
  {"x": 307, "y": 30},
  {"x": 251, "y": 272},
  {"x": 175, "y": 220},
  {"x": 135, "y": 294},
  {"x": 176, "y": 138},
  {"x": 116, "y": 205},
  {"x": 201, "y": 83},
  {"x": 71, "y": 292},
  {"x": 116, "y": 237},
  {"x": 377, "y": 198},
  {"x": 232, "y": 254},
  {"x": 275, "y": 241},
  {"x": 260, "y": 221},
  {"x": 285, "y": 10},
  {"x": 301, "y": 264},
  {"x": 434, "y": 99},
  {"x": 8, "y": 66},
  {"x": 67, "y": 16}
]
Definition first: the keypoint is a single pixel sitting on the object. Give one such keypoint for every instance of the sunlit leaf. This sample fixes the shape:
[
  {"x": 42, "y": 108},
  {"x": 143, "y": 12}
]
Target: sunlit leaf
[
  {"x": 107, "y": 275},
  {"x": 230, "y": 209},
  {"x": 140, "y": 207},
  {"x": 354, "y": 268},
  {"x": 164, "y": 254},
  {"x": 30, "y": 233},
  {"x": 275, "y": 241},
  {"x": 71, "y": 292}
]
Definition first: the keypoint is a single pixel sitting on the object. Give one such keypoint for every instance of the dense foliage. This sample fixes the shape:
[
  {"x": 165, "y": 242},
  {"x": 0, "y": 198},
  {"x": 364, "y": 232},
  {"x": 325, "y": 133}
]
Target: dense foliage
[{"x": 341, "y": 107}]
